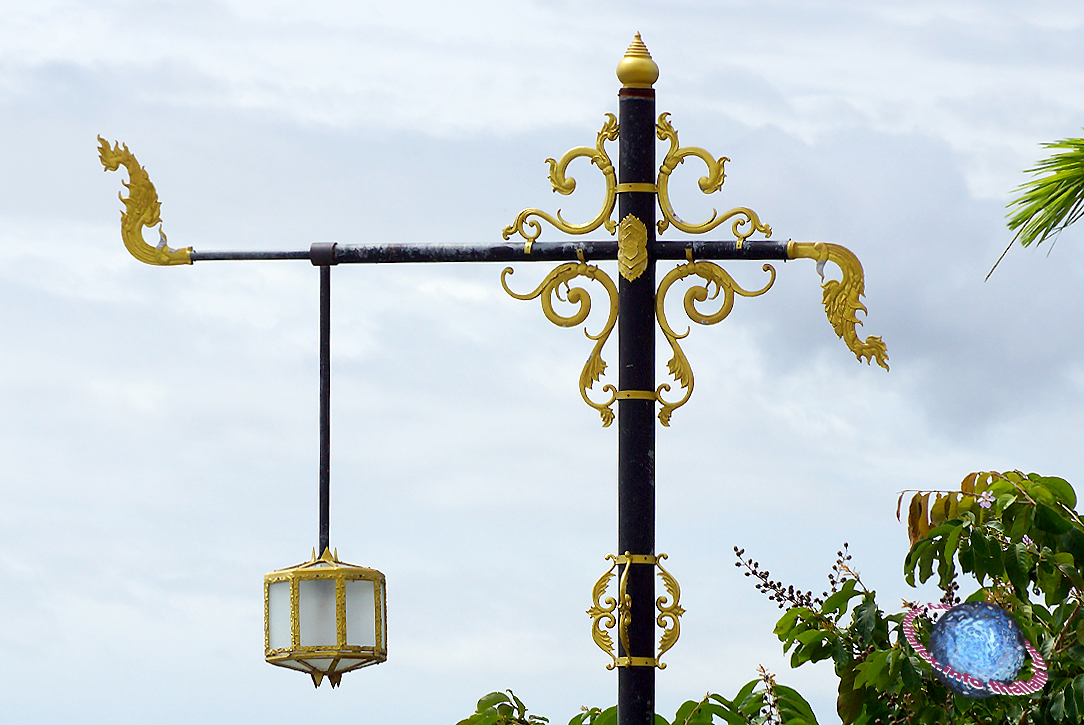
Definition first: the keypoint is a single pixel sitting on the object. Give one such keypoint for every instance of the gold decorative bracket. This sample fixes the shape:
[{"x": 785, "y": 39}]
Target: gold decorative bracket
[
  {"x": 608, "y": 612},
  {"x": 530, "y": 229},
  {"x": 141, "y": 209},
  {"x": 719, "y": 281},
  {"x": 550, "y": 288},
  {"x": 746, "y": 221},
  {"x": 842, "y": 298}
]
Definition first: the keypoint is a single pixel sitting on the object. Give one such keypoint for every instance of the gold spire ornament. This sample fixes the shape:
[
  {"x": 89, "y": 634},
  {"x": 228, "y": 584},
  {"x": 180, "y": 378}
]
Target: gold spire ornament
[{"x": 637, "y": 69}]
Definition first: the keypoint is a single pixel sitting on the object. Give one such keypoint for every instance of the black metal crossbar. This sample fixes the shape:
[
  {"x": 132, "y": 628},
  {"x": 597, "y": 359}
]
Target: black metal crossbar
[{"x": 422, "y": 252}]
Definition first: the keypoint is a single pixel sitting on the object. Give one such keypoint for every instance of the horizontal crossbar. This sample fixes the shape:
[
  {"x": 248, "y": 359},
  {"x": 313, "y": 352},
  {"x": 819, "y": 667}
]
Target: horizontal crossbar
[{"x": 398, "y": 252}]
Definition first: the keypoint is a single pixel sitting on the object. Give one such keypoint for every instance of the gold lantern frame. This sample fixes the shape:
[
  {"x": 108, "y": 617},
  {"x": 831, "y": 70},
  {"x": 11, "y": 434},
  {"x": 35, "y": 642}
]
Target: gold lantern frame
[{"x": 326, "y": 659}]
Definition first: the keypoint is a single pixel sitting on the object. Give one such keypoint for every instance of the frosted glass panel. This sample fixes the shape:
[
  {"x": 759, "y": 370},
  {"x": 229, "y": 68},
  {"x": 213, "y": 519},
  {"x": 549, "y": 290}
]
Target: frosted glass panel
[
  {"x": 293, "y": 665},
  {"x": 316, "y": 610},
  {"x": 323, "y": 665},
  {"x": 360, "y": 614},
  {"x": 278, "y": 615},
  {"x": 346, "y": 664}
]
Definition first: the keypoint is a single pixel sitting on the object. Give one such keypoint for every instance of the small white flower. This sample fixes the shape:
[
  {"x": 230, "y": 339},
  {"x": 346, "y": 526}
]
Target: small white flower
[{"x": 986, "y": 500}]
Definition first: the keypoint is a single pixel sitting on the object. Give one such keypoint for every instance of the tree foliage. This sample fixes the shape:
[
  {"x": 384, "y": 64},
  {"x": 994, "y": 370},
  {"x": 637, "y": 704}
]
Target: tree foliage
[
  {"x": 759, "y": 702},
  {"x": 1021, "y": 540}
]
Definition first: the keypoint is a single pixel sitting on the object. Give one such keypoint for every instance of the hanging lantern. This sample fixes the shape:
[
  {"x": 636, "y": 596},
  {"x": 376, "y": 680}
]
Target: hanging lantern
[{"x": 325, "y": 617}]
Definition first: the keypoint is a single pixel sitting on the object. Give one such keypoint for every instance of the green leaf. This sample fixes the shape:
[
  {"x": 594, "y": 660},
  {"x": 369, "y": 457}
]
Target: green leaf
[
  {"x": 909, "y": 673},
  {"x": 1061, "y": 489},
  {"x": 952, "y": 541},
  {"x": 810, "y": 636},
  {"x": 607, "y": 717},
  {"x": 1057, "y": 706},
  {"x": 786, "y": 623},
  {"x": 491, "y": 700},
  {"x": 865, "y": 617},
  {"x": 1073, "y": 542},
  {"x": 1018, "y": 563},
  {"x": 1018, "y": 519},
  {"x": 793, "y": 709},
  {"x": 1050, "y": 520},
  {"x": 744, "y": 692},
  {"x": 684, "y": 710},
  {"x": 925, "y": 563},
  {"x": 838, "y": 600}
]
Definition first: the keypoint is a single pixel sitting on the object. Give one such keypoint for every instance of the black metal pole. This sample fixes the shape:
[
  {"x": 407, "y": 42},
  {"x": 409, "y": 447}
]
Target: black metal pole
[
  {"x": 322, "y": 255},
  {"x": 636, "y": 415},
  {"x": 325, "y": 408}
]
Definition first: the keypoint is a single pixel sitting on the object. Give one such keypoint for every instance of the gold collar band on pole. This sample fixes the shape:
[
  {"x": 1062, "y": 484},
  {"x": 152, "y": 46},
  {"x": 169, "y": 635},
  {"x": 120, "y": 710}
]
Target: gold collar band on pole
[
  {"x": 636, "y": 395},
  {"x": 634, "y": 187}
]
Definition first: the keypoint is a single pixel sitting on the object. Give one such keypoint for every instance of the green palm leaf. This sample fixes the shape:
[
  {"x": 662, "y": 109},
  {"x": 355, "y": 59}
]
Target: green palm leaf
[
  {"x": 1055, "y": 199},
  {"x": 1051, "y": 201}
]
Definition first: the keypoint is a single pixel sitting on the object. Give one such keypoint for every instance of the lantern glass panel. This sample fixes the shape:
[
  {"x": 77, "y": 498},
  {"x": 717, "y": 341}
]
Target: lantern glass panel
[
  {"x": 360, "y": 613},
  {"x": 278, "y": 615},
  {"x": 316, "y": 613}
]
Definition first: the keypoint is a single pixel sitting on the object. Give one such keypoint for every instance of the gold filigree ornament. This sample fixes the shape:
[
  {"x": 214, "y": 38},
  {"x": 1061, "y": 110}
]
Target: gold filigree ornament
[
  {"x": 631, "y": 248},
  {"x": 842, "y": 298},
  {"x": 530, "y": 229},
  {"x": 602, "y": 613},
  {"x": 141, "y": 209},
  {"x": 608, "y": 612},
  {"x": 746, "y": 221},
  {"x": 719, "y": 281},
  {"x": 549, "y": 289}
]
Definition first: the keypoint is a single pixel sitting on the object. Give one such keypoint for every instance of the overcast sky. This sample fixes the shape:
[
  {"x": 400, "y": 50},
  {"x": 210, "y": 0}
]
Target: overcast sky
[{"x": 158, "y": 426}]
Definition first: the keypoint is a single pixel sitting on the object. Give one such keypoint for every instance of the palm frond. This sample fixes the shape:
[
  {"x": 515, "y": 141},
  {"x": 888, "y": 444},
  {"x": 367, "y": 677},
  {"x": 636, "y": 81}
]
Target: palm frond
[{"x": 1054, "y": 199}]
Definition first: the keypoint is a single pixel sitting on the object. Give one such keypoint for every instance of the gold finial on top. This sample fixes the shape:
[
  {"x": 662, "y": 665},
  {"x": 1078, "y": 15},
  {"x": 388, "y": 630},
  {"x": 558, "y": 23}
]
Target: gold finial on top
[{"x": 636, "y": 69}]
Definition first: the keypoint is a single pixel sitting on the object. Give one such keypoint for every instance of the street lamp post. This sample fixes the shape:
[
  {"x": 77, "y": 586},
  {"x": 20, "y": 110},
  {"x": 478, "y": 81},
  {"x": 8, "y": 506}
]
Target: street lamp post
[{"x": 352, "y": 630}]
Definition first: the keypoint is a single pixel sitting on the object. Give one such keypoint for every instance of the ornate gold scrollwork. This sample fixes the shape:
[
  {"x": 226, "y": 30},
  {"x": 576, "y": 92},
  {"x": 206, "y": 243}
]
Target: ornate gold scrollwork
[
  {"x": 550, "y": 288},
  {"x": 565, "y": 185},
  {"x": 141, "y": 209},
  {"x": 668, "y": 610},
  {"x": 610, "y": 612},
  {"x": 624, "y": 608},
  {"x": 602, "y": 613},
  {"x": 842, "y": 298},
  {"x": 746, "y": 221},
  {"x": 712, "y": 274}
]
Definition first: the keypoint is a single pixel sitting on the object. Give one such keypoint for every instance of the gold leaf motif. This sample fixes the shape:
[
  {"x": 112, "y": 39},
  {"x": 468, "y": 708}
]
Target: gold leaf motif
[
  {"x": 141, "y": 209},
  {"x": 669, "y": 610},
  {"x": 631, "y": 248},
  {"x": 842, "y": 298},
  {"x": 746, "y": 221},
  {"x": 720, "y": 281},
  {"x": 549, "y": 289},
  {"x": 602, "y": 613},
  {"x": 530, "y": 229}
]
